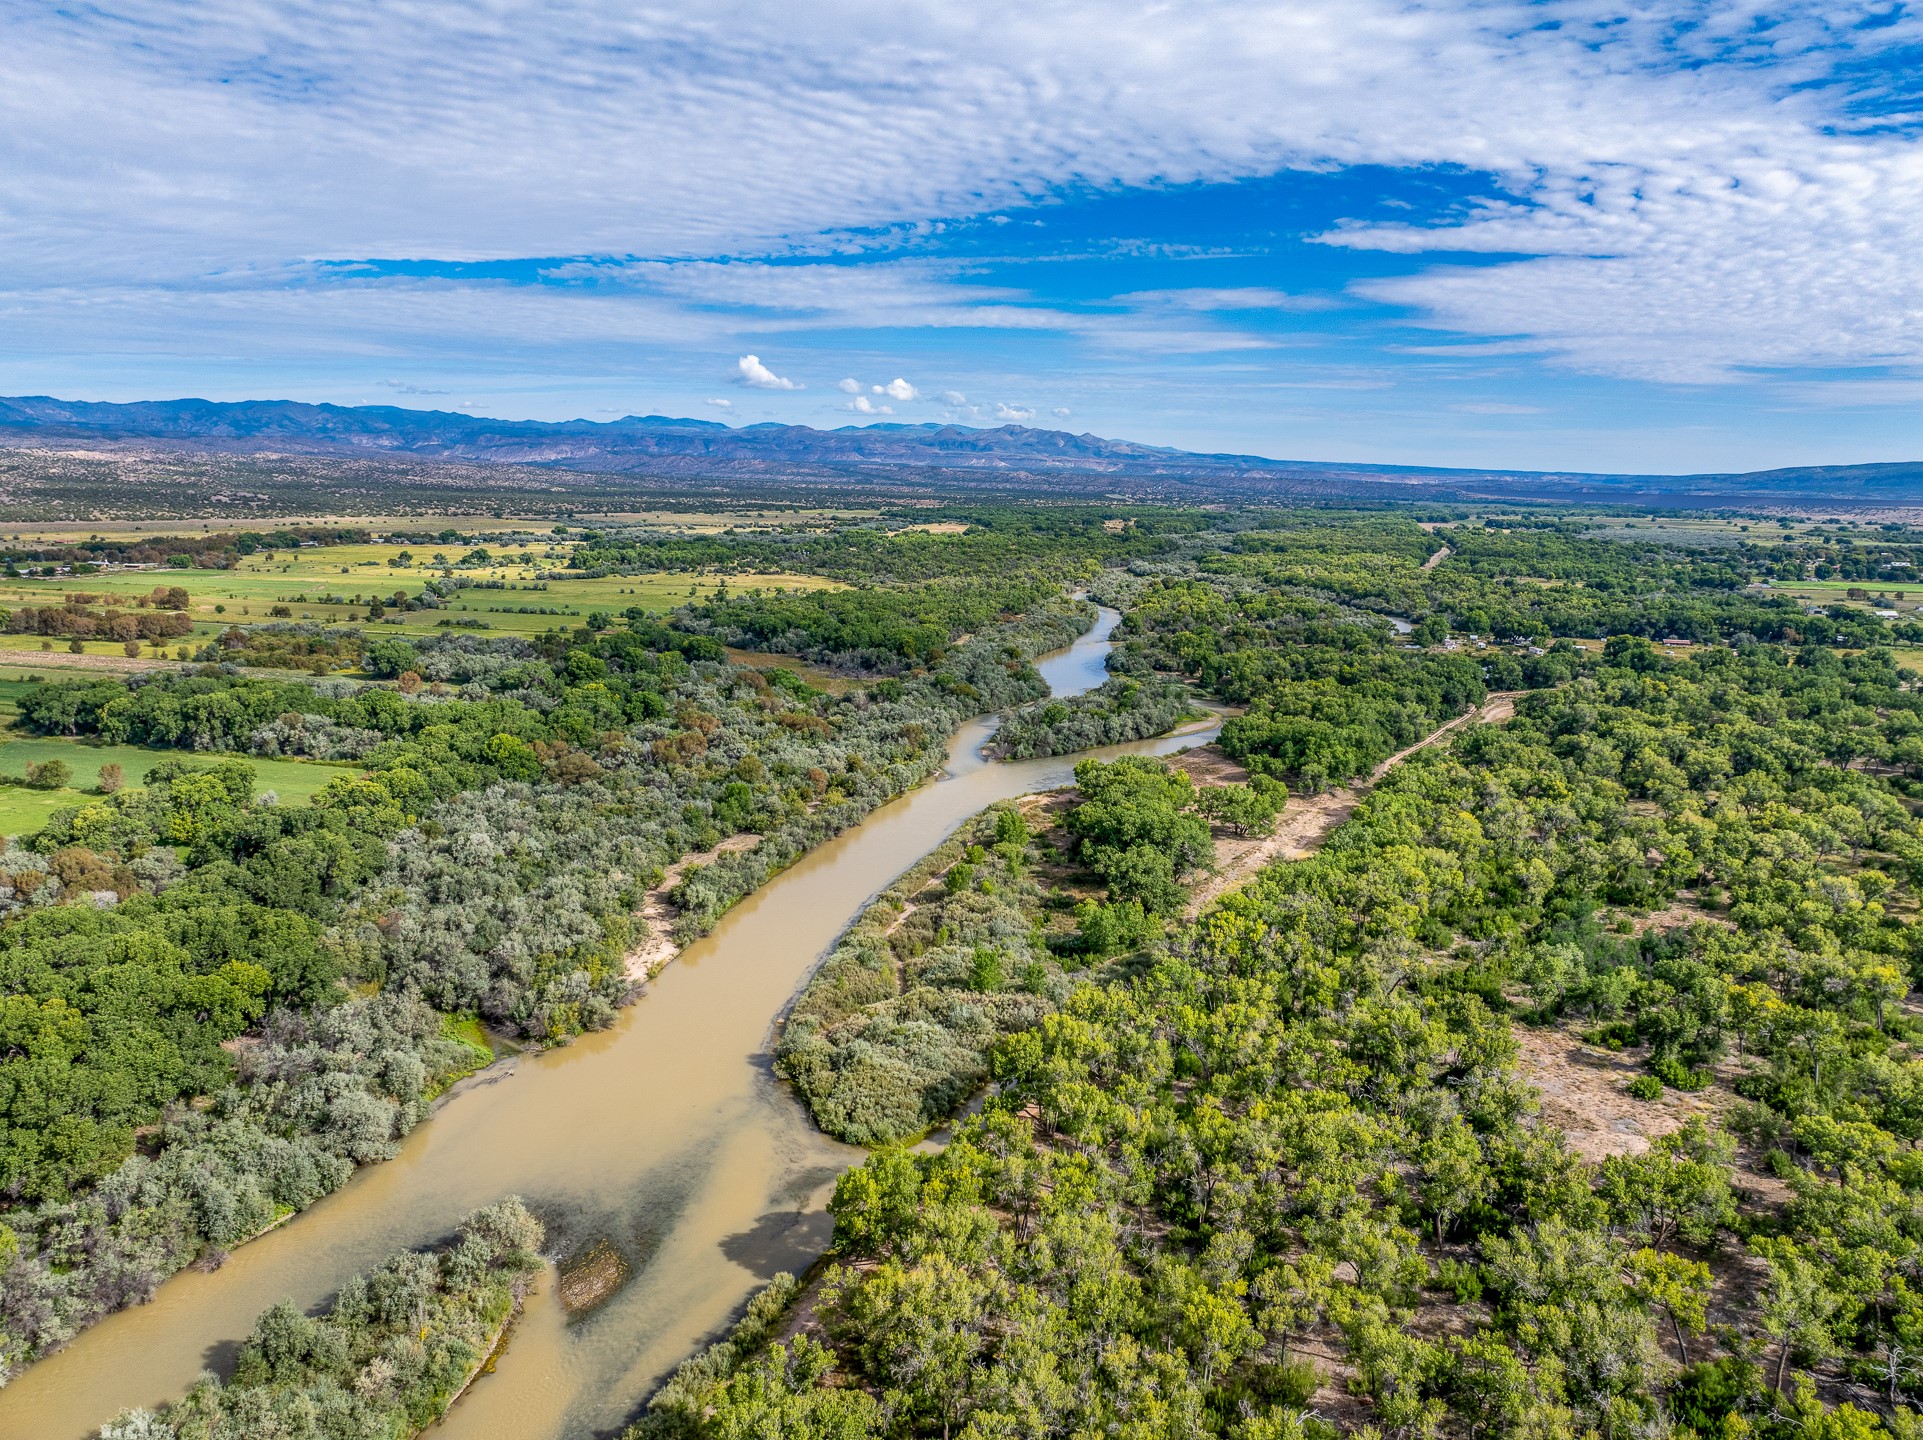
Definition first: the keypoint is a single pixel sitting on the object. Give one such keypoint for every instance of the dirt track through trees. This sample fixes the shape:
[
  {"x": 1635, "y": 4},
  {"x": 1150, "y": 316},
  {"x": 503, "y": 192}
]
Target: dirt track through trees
[{"x": 1309, "y": 819}]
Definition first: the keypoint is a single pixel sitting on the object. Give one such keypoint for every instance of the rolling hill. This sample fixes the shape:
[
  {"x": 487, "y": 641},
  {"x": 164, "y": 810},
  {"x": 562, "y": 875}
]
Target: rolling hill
[{"x": 887, "y": 457}]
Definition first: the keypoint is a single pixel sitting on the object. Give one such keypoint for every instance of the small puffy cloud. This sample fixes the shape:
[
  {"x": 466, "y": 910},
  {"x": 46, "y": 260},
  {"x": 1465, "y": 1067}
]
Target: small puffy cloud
[
  {"x": 1060, "y": 412},
  {"x": 850, "y": 386},
  {"x": 898, "y": 389},
  {"x": 757, "y": 376},
  {"x": 1014, "y": 414},
  {"x": 404, "y": 388},
  {"x": 862, "y": 405},
  {"x": 953, "y": 397},
  {"x": 721, "y": 404}
]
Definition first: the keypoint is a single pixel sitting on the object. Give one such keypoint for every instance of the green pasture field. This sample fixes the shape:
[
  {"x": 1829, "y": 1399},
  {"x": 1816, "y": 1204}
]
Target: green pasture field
[
  {"x": 12, "y": 686},
  {"x": 51, "y": 656},
  {"x": 1704, "y": 532},
  {"x": 1903, "y": 596},
  {"x": 614, "y": 593},
  {"x": 23, "y": 811},
  {"x": 333, "y": 585},
  {"x": 1894, "y": 590}
]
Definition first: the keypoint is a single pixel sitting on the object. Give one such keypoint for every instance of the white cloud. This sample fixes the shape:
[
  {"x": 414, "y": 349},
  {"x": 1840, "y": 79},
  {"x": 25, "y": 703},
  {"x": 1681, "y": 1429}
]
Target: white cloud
[
  {"x": 898, "y": 389},
  {"x": 720, "y": 404},
  {"x": 1868, "y": 393},
  {"x": 1206, "y": 300},
  {"x": 759, "y": 377},
  {"x": 1704, "y": 199},
  {"x": 849, "y": 387},
  {"x": 862, "y": 405},
  {"x": 953, "y": 397},
  {"x": 1060, "y": 412},
  {"x": 1014, "y": 414}
]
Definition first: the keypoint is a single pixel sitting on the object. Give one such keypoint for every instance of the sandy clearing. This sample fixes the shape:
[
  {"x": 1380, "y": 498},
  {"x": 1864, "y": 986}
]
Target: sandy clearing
[
  {"x": 1298, "y": 834},
  {"x": 1207, "y": 765},
  {"x": 1583, "y": 1095},
  {"x": 657, "y": 947}
]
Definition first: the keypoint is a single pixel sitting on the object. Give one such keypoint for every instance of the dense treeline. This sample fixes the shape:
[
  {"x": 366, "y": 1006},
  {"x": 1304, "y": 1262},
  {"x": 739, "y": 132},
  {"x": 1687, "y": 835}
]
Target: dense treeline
[
  {"x": 616, "y": 681},
  {"x": 393, "y": 1351},
  {"x": 893, "y": 1031},
  {"x": 112, "y": 1014},
  {"x": 1301, "y": 1132},
  {"x": 1329, "y": 695},
  {"x": 1539, "y": 582},
  {"x": 994, "y": 541},
  {"x": 92, "y": 617},
  {"x": 320, "y": 649},
  {"x": 976, "y": 942},
  {"x": 883, "y": 630},
  {"x": 206, "y": 551},
  {"x": 1120, "y": 709}
]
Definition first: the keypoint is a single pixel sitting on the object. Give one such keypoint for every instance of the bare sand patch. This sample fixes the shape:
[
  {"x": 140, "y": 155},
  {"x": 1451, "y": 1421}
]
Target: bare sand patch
[
  {"x": 1583, "y": 1095},
  {"x": 1207, "y": 765},
  {"x": 1299, "y": 833},
  {"x": 657, "y": 946}
]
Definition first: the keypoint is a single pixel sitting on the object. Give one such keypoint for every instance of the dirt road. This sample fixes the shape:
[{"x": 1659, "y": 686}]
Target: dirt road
[{"x": 1309, "y": 819}]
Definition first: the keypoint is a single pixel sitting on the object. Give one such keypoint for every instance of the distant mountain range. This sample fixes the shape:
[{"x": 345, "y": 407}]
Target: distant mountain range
[{"x": 1007, "y": 457}]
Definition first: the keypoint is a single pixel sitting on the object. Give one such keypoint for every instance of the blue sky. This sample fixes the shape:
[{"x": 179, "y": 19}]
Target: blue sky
[{"x": 1551, "y": 235}]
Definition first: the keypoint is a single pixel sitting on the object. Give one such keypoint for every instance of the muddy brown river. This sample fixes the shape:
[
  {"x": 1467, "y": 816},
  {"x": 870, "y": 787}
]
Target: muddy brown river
[{"x": 667, "y": 1135}]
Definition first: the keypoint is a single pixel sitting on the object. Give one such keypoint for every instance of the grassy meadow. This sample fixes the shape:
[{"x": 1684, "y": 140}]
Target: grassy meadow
[
  {"x": 23, "y": 811},
  {"x": 333, "y": 585}
]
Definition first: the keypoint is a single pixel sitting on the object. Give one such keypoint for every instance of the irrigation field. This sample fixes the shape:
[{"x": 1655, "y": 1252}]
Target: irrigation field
[{"x": 333, "y": 585}]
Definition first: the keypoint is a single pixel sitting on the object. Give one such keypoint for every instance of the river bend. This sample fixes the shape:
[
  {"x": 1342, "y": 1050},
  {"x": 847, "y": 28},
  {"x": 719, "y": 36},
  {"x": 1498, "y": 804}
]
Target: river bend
[{"x": 667, "y": 1135}]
